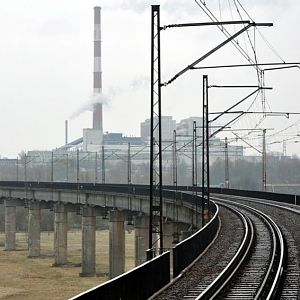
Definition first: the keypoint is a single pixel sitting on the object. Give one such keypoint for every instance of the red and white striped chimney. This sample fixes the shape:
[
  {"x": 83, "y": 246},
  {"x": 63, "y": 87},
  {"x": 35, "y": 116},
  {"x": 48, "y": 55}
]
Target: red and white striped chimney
[{"x": 97, "y": 111}]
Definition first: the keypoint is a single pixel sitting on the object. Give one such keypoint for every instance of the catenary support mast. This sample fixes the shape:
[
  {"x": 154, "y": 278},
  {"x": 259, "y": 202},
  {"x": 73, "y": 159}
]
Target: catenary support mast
[{"x": 156, "y": 215}]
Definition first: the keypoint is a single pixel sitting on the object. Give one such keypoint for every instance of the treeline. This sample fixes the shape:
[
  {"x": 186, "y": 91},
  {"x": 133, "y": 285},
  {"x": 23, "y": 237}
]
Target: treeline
[{"x": 243, "y": 173}]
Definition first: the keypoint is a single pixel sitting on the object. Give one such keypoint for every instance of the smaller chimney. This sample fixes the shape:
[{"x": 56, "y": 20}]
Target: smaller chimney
[{"x": 66, "y": 132}]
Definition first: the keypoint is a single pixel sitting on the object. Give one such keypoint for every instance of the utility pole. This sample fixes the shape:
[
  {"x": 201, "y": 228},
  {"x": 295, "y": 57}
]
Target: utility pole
[
  {"x": 128, "y": 166},
  {"x": 51, "y": 175},
  {"x": 263, "y": 152},
  {"x": 17, "y": 168},
  {"x": 96, "y": 167},
  {"x": 103, "y": 165},
  {"x": 193, "y": 159},
  {"x": 25, "y": 168},
  {"x": 284, "y": 148},
  {"x": 174, "y": 158},
  {"x": 156, "y": 201},
  {"x": 195, "y": 173},
  {"x": 77, "y": 174},
  {"x": 67, "y": 168},
  {"x": 25, "y": 173},
  {"x": 226, "y": 165},
  {"x": 264, "y": 162},
  {"x": 51, "y": 171},
  {"x": 103, "y": 180},
  {"x": 175, "y": 184},
  {"x": 205, "y": 153},
  {"x": 129, "y": 221}
]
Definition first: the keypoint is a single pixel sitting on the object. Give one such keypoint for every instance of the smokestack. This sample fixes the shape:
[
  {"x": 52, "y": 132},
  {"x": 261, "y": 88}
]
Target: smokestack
[
  {"x": 66, "y": 132},
  {"x": 97, "y": 111}
]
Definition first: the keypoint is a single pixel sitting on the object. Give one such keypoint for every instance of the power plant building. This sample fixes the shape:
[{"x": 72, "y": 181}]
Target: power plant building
[
  {"x": 185, "y": 126},
  {"x": 168, "y": 125},
  {"x": 85, "y": 152}
]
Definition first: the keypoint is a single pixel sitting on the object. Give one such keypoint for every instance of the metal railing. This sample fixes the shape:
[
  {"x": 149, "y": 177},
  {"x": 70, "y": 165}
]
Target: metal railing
[{"x": 138, "y": 284}]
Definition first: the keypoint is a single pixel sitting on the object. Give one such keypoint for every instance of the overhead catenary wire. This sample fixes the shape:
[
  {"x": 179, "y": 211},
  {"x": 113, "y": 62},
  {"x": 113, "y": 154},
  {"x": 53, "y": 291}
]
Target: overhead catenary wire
[
  {"x": 285, "y": 129},
  {"x": 258, "y": 71},
  {"x": 209, "y": 13},
  {"x": 262, "y": 36},
  {"x": 245, "y": 54}
]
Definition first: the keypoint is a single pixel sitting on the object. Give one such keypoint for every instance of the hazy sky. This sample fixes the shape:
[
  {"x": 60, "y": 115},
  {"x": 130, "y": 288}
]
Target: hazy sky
[{"x": 46, "y": 59}]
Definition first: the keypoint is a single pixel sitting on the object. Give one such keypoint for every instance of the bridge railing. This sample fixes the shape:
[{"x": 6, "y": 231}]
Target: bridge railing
[
  {"x": 187, "y": 251},
  {"x": 138, "y": 284},
  {"x": 286, "y": 198},
  {"x": 144, "y": 189},
  {"x": 278, "y": 197}
]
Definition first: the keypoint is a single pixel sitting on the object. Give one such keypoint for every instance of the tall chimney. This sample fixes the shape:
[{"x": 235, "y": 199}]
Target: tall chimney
[{"x": 97, "y": 112}]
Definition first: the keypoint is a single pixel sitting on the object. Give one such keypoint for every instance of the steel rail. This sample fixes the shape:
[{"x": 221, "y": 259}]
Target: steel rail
[
  {"x": 265, "y": 202},
  {"x": 281, "y": 249},
  {"x": 234, "y": 265},
  {"x": 268, "y": 290}
]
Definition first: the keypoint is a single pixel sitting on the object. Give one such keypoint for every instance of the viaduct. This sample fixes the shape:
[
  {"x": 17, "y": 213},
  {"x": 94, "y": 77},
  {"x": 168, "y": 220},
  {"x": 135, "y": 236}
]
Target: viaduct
[{"x": 91, "y": 200}]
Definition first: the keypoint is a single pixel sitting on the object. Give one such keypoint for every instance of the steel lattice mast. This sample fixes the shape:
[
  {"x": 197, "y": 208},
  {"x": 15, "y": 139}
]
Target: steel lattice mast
[
  {"x": 156, "y": 206},
  {"x": 205, "y": 153}
]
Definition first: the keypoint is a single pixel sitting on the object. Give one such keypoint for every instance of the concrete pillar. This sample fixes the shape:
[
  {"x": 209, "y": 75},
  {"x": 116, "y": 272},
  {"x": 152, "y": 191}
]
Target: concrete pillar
[
  {"x": 34, "y": 229},
  {"x": 10, "y": 225},
  {"x": 141, "y": 225},
  {"x": 60, "y": 234},
  {"x": 88, "y": 258},
  {"x": 116, "y": 243}
]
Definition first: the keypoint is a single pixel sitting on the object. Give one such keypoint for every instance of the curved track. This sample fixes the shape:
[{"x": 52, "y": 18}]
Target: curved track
[
  {"x": 260, "y": 275},
  {"x": 252, "y": 269},
  {"x": 288, "y": 216}
]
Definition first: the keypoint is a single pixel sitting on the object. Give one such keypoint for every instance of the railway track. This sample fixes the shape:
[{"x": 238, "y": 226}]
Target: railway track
[
  {"x": 288, "y": 216},
  {"x": 260, "y": 275},
  {"x": 250, "y": 269},
  {"x": 212, "y": 283}
]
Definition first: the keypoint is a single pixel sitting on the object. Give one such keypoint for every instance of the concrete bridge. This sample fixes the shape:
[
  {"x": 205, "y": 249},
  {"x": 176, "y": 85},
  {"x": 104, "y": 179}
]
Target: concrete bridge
[{"x": 90, "y": 201}]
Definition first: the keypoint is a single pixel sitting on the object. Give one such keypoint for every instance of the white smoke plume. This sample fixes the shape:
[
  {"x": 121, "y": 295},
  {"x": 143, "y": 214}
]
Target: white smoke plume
[
  {"x": 88, "y": 105},
  {"x": 138, "y": 83}
]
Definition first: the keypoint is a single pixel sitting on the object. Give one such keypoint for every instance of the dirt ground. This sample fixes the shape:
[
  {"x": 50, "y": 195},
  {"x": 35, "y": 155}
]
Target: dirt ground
[{"x": 35, "y": 279}]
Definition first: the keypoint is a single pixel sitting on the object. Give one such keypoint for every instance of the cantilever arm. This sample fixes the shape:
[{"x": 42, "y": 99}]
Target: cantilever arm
[
  {"x": 233, "y": 106},
  {"x": 226, "y": 125},
  {"x": 204, "y": 24},
  {"x": 214, "y": 50}
]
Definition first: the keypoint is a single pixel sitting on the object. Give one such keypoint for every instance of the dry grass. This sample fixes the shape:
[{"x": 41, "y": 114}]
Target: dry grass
[{"x": 35, "y": 279}]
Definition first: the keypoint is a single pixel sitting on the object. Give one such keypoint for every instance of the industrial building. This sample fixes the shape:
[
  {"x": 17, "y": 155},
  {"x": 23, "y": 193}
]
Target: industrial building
[
  {"x": 168, "y": 125},
  {"x": 94, "y": 139},
  {"x": 96, "y": 152}
]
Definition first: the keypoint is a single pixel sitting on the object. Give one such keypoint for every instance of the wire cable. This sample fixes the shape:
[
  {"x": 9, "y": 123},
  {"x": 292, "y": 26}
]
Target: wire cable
[
  {"x": 208, "y": 12},
  {"x": 262, "y": 36}
]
